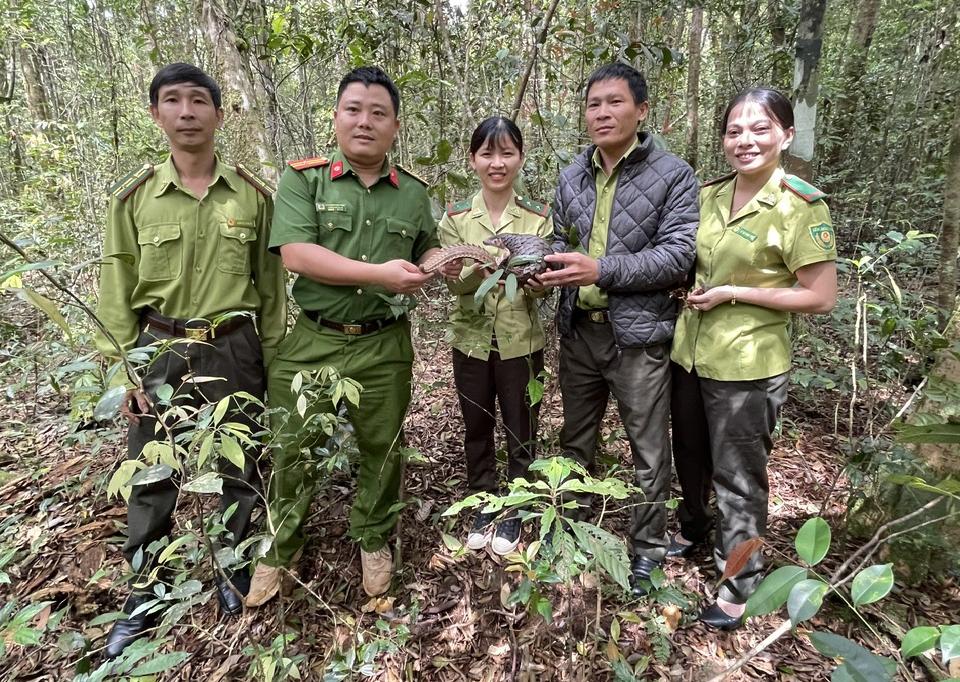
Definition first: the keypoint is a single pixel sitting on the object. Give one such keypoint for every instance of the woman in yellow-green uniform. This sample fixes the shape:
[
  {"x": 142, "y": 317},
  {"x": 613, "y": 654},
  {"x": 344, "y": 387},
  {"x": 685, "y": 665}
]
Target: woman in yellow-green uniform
[
  {"x": 498, "y": 346},
  {"x": 765, "y": 249}
]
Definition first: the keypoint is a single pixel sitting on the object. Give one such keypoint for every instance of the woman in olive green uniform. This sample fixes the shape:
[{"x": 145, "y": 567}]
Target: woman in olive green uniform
[
  {"x": 498, "y": 347},
  {"x": 765, "y": 249}
]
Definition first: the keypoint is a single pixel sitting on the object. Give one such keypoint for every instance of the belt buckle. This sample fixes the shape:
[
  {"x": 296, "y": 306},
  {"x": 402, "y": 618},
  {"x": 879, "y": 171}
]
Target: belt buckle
[
  {"x": 199, "y": 333},
  {"x": 353, "y": 329},
  {"x": 596, "y": 316}
]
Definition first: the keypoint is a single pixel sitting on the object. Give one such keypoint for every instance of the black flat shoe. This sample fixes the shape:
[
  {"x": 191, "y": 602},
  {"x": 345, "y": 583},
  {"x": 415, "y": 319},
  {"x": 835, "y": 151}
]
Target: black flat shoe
[
  {"x": 231, "y": 603},
  {"x": 715, "y": 617},
  {"x": 126, "y": 631},
  {"x": 678, "y": 550},
  {"x": 640, "y": 569}
]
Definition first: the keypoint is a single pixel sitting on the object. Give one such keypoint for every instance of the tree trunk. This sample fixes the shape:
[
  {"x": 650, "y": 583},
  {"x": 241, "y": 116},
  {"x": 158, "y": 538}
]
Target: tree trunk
[
  {"x": 780, "y": 71},
  {"x": 806, "y": 87},
  {"x": 868, "y": 13},
  {"x": 238, "y": 78},
  {"x": 950, "y": 232},
  {"x": 33, "y": 84},
  {"x": 693, "y": 84}
]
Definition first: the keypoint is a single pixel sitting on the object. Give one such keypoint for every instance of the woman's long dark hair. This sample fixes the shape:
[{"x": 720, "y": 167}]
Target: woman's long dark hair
[
  {"x": 493, "y": 130},
  {"x": 773, "y": 102}
]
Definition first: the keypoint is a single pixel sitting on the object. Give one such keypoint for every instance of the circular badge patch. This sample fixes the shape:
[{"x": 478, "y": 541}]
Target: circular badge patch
[{"x": 822, "y": 235}]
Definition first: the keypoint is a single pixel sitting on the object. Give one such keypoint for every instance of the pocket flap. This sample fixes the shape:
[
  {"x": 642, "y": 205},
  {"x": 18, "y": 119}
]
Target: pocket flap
[
  {"x": 335, "y": 220},
  {"x": 158, "y": 234},
  {"x": 241, "y": 231},
  {"x": 402, "y": 228}
]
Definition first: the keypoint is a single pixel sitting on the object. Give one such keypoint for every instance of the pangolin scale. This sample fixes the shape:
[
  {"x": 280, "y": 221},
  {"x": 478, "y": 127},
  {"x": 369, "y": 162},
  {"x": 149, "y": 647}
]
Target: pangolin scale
[{"x": 528, "y": 246}]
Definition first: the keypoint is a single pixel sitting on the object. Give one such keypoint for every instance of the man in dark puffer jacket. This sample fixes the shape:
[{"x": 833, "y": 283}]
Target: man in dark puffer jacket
[{"x": 625, "y": 219}]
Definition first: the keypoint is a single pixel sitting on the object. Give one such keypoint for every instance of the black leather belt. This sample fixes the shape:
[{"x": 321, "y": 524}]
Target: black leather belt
[
  {"x": 198, "y": 328},
  {"x": 353, "y": 329},
  {"x": 601, "y": 316}
]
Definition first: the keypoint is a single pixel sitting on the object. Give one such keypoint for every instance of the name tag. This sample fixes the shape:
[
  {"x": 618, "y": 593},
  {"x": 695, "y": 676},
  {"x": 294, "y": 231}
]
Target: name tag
[
  {"x": 342, "y": 208},
  {"x": 745, "y": 233}
]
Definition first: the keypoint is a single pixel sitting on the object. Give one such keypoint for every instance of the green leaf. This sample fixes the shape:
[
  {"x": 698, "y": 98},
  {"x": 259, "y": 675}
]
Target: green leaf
[
  {"x": 805, "y": 599},
  {"x": 543, "y": 606},
  {"x": 165, "y": 392},
  {"x": 206, "y": 483},
  {"x": 930, "y": 433},
  {"x": 535, "y": 390},
  {"x": 109, "y": 403},
  {"x": 152, "y": 474},
  {"x": 221, "y": 409},
  {"x": 919, "y": 640},
  {"x": 485, "y": 286},
  {"x": 859, "y": 665},
  {"x": 170, "y": 549},
  {"x": 232, "y": 450},
  {"x": 161, "y": 663},
  {"x": 49, "y": 308},
  {"x": 813, "y": 541},
  {"x": 773, "y": 592},
  {"x": 451, "y": 542},
  {"x": 871, "y": 584},
  {"x": 510, "y": 287},
  {"x": 609, "y": 551},
  {"x": 206, "y": 447},
  {"x": 950, "y": 642}
]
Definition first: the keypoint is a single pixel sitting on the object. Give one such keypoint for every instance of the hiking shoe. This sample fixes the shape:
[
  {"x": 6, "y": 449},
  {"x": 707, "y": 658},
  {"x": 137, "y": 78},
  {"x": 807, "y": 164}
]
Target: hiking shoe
[
  {"x": 266, "y": 582},
  {"x": 377, "y": 570},
  {"x": 507, "y": 537},
  {"x": 482, "y": 529}
]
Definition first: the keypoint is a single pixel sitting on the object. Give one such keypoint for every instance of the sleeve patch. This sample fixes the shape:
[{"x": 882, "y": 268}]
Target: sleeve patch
[
  {"x": 822, "y": 236},
  {"x": 129, "y": 183},
  {"x": 802, "y": 188},
  {"x": 258, "y": 183},
  {"x": 309, "y": 162}
]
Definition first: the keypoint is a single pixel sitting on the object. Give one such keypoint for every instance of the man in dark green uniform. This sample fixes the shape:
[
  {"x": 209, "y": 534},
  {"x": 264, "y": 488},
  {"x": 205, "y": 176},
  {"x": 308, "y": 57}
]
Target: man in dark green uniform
[
  {"x": 185, "y": 251},
  {"x": 352, "y": 227}
]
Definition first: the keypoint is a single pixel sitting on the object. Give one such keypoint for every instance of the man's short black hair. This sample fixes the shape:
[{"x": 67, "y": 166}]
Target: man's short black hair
[
  {"x": 635, "y": 79},
  {"x": 179, "y": 72},
  {"x": 371, "y": 75}
]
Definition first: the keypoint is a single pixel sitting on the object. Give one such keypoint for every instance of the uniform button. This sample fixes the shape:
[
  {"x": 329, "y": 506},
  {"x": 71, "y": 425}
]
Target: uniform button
[
  {"x": 519, "y": 198},
  {"x": 368, "y": 190},
  {"x": 403, "y": 232},
  {"x": 363, "y": 257},
  {"x": 231, "y": 222},
  {"x": 243, "y": 235},
  {"x": 359, "y": 291},
  {"x": 368, "y": 222},
  {"x": 156, "y": 240},
  {"x": 199, "y": 269},
  {"x": 201, "y": 234},
  {"x": 329, "y": 224}
]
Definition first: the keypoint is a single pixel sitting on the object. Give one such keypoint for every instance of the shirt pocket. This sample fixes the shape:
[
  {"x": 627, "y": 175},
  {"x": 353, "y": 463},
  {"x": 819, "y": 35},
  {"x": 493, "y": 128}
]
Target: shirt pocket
[
  {"x": 401, "y": 236},
  {"x": 161, "y": 252},
  {"x": 236, "y": 242}
]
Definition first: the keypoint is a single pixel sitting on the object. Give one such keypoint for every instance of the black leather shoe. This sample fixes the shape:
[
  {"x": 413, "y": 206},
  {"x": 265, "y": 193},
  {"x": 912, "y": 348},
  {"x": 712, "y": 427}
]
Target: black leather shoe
[
  {"x": 678, "y": 550},
  {"x": 640, "y": 569},
  {"x": 230, "y": 602},
  {"x": 714, "y": 616},
  {"x": 127, "y": 630}
]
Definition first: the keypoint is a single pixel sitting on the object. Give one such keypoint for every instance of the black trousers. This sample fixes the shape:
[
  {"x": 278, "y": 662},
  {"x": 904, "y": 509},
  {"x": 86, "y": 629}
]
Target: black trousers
[
  {"x": 480, "y": 385},
  {"x": 237, "y": 359},
  {"x": 722, "y": 438}
]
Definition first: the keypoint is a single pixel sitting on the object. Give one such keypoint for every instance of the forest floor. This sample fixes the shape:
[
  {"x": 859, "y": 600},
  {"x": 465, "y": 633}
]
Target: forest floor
[{"x": 444, "y": 618}]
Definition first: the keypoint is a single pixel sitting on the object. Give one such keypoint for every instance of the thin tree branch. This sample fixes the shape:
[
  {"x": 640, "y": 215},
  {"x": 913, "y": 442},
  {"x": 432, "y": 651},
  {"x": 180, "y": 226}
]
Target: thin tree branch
[{"x": 541, "y": 39}]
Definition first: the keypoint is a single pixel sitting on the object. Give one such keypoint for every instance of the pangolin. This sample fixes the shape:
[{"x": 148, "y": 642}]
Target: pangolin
[{"x": 527, "y": 249}]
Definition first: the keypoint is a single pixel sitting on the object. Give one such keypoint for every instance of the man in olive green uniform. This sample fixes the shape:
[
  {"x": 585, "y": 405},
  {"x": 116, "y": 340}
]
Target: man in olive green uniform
[
  {"x": 186, "y": 245},
  {"x": 352, "y": 227}
]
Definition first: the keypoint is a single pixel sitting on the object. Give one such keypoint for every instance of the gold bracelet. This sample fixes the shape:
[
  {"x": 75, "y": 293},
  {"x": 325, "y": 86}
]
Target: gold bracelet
[{"x": 734, "y": 300}]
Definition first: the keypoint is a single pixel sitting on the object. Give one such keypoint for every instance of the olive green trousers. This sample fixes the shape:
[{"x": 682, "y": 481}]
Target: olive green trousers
[{"x": 382, "y": 363}]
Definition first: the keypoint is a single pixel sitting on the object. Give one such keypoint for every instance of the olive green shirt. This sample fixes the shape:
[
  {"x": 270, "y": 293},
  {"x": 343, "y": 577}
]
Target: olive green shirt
[
  {"x": 591, "y": 296},
  {"x": 516, "y": 324},
  {"x": 189, "y": 257},
  {"x": 775, "y": 234},
  {"x": 328, "y": 205}
]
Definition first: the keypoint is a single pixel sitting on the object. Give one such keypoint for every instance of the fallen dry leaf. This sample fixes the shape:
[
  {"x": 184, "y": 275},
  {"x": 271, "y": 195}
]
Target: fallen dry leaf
[
  {"x": 498, "y": 649},
  {"x": 671, "y": 614},
  {"x": 378, "y": 604}
]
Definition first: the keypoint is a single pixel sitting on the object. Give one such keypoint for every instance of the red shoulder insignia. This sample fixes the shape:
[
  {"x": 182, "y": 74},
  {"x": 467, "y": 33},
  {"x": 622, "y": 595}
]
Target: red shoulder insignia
[
  {"x": 128, "y": 184},
  {"x": 336, "y": 170},
  {"x": 258, "y": 183},
  {"x": 309, "y": 162}
]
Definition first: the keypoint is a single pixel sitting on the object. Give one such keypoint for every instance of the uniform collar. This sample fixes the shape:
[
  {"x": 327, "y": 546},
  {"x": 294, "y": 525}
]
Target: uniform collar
[
  {"x": 597, "y": 161},
  {"x": 340, "y": 167},
  {"x": 167, "y": 176},
  {"x": 768, "y": 195},
  {"x": 479, "y": 212}
]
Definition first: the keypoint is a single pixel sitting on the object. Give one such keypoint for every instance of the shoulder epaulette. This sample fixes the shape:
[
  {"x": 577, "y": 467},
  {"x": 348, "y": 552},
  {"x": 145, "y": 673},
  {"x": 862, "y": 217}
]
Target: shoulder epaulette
[
  {"x": 802, "y": 188},
  {"x": 414, "y": 176},
  {"x": 258, "y": 183},
  {"x": 718, "y": 180},
  {"x": 462, "y": 207},
  {"x": 309, "y": 162},
  {"x": 126, "y": 185},
  {"x": 533, "y": 206}
]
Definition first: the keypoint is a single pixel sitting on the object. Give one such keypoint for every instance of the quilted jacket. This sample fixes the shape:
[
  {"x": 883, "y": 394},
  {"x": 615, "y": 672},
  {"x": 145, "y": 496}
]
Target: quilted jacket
[{"x": 650, "y": 240}]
